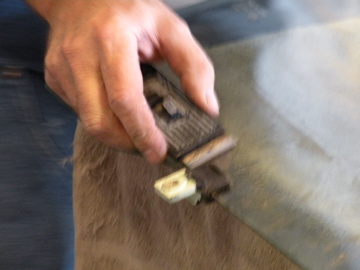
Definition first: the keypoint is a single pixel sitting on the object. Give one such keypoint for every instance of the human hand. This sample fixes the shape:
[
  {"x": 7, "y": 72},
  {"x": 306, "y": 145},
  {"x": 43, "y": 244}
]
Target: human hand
[{"x": 92, "y": 63}]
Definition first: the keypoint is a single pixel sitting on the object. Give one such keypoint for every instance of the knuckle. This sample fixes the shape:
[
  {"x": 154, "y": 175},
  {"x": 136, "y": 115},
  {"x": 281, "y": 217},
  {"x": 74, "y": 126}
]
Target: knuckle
[
  {"x": 180, "y": 26},
  {"x": 121, "y": 102},
  {"x": 52, "y": 65},
  {"x": 206, "y": 65},
  {"x": 95, "y": 126},
  {"x": 51, "y": 74},
  {"x": 110, "y": 29},
  {"x": 147, "y": 138},
  {"x": 71, "y": 48},
  {"x": 50, "y": 81},
  {"x": 104, "y": 32},
  {"x": 142, "y": 140}
]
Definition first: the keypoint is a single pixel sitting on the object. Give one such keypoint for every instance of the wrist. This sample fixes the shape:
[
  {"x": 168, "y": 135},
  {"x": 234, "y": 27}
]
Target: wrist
[{"x": 42, "y": 7}]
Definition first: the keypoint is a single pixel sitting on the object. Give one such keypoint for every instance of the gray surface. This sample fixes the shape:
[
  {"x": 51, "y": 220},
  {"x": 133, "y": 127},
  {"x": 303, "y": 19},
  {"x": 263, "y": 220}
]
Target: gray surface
[
  {"x": 292, "y": 100},
  {"x": 181, "y": 4}
]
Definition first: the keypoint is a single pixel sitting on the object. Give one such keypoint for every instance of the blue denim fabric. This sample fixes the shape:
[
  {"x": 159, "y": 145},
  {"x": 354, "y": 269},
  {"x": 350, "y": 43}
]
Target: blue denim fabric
[
  {"x": 22, "y": 35},
  {"x": 36, "y": 133}
]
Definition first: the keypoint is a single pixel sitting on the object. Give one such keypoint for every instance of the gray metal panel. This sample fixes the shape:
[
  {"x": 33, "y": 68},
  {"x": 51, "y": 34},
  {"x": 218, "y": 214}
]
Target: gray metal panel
[{"x": 292, "y": 100}]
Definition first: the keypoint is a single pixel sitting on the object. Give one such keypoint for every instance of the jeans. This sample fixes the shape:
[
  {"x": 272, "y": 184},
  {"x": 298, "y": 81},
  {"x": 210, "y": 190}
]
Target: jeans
[{"x": 36, "y": 133}]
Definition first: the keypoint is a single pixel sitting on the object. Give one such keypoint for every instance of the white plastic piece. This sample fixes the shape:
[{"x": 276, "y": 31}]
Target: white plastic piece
[
  {"x": 175, "y": 187},
  {"x": 194, "y": 199}
]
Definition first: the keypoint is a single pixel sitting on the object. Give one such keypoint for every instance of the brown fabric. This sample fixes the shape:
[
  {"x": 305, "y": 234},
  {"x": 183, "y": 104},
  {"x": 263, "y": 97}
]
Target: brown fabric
[{"x": 122, "y": 224}]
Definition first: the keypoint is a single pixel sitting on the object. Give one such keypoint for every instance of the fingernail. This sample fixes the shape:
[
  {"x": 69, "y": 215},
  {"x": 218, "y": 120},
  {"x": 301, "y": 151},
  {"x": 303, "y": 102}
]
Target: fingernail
[{"x": 213, "y": 104}]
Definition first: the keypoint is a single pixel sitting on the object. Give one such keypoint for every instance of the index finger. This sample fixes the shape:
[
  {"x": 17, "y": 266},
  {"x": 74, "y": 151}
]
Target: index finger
[
  {"x": 124, "y": 86},
  {"x": 189, "y": 61}
]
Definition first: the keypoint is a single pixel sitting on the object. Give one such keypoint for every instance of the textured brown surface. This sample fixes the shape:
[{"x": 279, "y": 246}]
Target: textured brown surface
[{"x": 122, "y": 224}]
